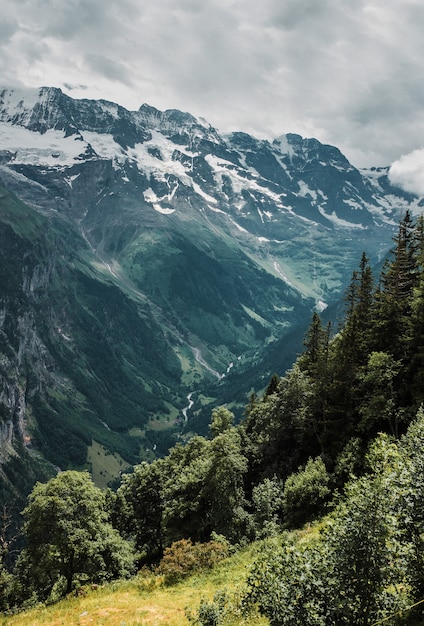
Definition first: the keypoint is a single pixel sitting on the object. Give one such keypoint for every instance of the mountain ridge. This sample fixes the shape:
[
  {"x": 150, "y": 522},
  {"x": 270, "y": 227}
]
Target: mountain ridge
[{"x": 183, "y": 259}]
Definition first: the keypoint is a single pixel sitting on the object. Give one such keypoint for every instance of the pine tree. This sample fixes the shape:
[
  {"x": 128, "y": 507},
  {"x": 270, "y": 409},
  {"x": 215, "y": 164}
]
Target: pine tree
[
  {"x": 393, "y": 301},
  {"x": 348, "y": 355},
  {"x": 315, "y": 343},
  {"x": 314, "y": 362},
  {"x": 416, "y": 322}
]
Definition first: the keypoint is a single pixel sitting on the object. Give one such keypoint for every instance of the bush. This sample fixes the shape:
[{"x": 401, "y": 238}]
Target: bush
[
  {"x": 305, "y": 493},
  {"x": 184, "y": 557},
  {"x": 210, "y": 613},
  {"x": 286, "y": 585},
  {"x": 267, "y": 507}
]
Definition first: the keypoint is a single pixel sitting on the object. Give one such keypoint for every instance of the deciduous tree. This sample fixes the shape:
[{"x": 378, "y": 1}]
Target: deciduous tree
[{"x": 69, "y": 539}]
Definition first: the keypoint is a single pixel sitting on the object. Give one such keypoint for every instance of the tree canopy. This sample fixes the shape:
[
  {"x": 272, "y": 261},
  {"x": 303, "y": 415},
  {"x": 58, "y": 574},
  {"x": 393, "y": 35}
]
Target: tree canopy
[{"x": 69, "y": 539}]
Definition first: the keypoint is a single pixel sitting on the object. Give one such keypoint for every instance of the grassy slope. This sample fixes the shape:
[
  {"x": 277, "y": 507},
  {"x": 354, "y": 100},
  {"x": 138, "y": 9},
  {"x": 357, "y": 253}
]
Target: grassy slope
[{"x": 145, "y": 601}]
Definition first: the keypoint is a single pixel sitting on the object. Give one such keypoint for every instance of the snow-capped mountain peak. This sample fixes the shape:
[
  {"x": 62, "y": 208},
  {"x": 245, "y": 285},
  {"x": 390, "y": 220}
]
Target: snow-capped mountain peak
[{"x": 266, "y": 193}]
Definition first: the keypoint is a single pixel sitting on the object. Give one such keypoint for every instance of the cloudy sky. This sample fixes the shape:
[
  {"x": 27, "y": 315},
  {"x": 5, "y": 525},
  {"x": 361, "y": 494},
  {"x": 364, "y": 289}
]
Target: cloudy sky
[{"x": 348, "y": 72}]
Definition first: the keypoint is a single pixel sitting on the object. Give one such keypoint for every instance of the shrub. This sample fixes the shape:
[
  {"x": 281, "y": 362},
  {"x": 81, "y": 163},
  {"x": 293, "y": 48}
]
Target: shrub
[
  {"x": 267, "y": 507},
  {"x": 184, "y": 557},
  {"x": 305, "y": 493},
  {"x": 210, "y": 612}
]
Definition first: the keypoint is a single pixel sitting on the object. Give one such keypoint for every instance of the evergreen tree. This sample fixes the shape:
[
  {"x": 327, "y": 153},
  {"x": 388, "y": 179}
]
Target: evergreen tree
[
  {"x": 314, "y": 361},
  {"x": 379, "y": 408},
  {"x": 314, "y": 342},
  {"x": 415, "y": 374},
  {"x": 348, "y": 353},
  {"x": 393, "y": 300},
  {"x": 277, "y": 427}
]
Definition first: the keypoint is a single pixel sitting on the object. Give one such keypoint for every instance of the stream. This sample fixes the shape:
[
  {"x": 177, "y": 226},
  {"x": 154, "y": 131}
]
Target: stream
[{"x": 188, "y": 407}]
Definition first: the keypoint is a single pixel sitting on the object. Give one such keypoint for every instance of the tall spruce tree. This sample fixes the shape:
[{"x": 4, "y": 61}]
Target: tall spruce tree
[
  {"x": 348, "y": 355},
  {"x": 416, "y": 321},
  {"x": 393, "y": 299}
]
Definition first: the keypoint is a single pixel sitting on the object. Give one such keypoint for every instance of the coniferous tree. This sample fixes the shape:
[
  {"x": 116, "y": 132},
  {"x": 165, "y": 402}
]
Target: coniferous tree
[
  {"x": 314, "y": 342},
  {"x": 364, "y": 309},
  {"x": 348, "y": 354},
  {"x": 314, "y": 362},
  {"x": 416, "y": 322},
  {"x": 393, "y": 299}
]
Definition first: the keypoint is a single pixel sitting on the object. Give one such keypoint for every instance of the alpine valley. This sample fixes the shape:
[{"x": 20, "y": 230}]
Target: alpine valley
[{"x": 151, "y": 269}]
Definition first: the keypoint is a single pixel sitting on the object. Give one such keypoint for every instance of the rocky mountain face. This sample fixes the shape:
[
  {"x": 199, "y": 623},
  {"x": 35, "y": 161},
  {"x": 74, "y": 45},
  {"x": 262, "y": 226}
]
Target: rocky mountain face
[{"x": 149, "y": 265}]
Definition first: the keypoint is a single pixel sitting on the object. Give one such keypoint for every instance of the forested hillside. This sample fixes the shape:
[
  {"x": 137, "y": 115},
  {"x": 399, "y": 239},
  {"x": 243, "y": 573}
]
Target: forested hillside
[{"x": 341, "y": 433}]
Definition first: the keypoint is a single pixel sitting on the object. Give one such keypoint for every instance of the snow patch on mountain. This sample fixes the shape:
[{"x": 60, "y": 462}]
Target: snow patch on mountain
[
  {"x": 143, "y": 155},
  {"x": 226, "y": 171},
  {"x": 70, "y": 179},
  {"x": 104, "y": 145},
  {"x": 282, "y": 274},
  {"x": 305, "y": 191},
  {"x": 337, "y": 221},
  {"x": 19, "y": 103},
  {"x": 284, "y": 147},
  {"x": 49, "y": 149}
]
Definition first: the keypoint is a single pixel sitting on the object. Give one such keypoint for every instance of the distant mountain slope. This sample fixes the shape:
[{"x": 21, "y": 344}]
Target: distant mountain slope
[
  {"x": 163, "y": 256},
  {"x": 79, "y": 359}
]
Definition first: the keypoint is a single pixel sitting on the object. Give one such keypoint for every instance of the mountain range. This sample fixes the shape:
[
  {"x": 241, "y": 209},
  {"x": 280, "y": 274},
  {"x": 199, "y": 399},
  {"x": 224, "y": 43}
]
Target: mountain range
[{"x": 152, "y": 268}]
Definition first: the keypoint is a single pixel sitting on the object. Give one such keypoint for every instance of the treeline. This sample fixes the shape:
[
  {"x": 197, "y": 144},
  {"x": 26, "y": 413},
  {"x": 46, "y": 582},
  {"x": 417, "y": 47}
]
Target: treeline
[
  {"x": 344, "y": 389},
  {"x": 298, "y": 445}
]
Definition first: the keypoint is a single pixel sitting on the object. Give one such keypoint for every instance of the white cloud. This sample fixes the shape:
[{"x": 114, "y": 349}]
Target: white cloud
[
  {"x": 349, "y": 73},
  {"x": 408, "y": 172}
]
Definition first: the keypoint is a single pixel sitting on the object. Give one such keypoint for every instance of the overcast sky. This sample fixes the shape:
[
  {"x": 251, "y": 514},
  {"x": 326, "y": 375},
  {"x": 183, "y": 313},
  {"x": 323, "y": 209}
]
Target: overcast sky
[{"x": 348, "y": 72}]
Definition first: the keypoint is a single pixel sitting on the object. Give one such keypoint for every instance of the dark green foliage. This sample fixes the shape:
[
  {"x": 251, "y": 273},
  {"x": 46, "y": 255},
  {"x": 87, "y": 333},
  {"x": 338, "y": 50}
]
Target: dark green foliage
[
  {"x": 305, "y": 493},
  {"x": 365, "y": 558},
  {"x": 204, "y": 488},
  {"x": 358, "y": 570},
  {"x": 411, "y": 505},
  {"x": 69, "y": 539},
  {"x": 139, "y": 509},
  {"x": 416, "y": 320},
  {"x": 267, "y": 501},
  {"x": 365, "y": 379},
  {"x": 287, "y": 586},
  {"x": 197, "y": 490},
  {"x": 379, "y": 395},
  {"x": 393, "y": 302},
  {"x": 274, "y": 428}
]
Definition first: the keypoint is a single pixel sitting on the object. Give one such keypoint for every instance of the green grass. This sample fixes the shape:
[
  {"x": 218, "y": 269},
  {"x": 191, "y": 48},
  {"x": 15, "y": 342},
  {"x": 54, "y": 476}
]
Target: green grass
[
  {"x": 104, "y": 466},
  {"x": 145, "y": 600}
]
